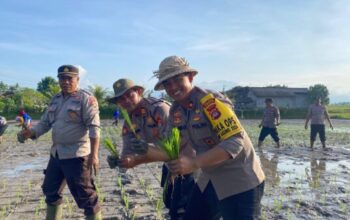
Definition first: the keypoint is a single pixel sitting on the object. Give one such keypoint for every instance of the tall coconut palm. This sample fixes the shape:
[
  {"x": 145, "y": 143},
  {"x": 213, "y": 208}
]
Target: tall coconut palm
[{"x": 100, "y": 94}]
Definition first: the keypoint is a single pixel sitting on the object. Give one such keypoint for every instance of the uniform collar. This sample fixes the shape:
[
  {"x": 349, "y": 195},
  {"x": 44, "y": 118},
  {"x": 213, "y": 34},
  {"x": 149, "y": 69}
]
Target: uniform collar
[{"x": 140, "y": 109}]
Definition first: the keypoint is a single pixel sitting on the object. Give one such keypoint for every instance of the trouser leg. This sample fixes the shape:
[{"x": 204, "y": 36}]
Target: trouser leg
[{"x": 81, "y": 185}]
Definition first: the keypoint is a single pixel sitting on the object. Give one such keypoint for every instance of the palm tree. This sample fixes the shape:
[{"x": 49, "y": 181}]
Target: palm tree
[{"x": 100, "y": 94}]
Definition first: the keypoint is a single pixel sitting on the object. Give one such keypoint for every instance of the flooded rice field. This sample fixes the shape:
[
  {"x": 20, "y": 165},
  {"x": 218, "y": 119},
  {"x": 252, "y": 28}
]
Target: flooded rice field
[{"x": 301, "y": 183}]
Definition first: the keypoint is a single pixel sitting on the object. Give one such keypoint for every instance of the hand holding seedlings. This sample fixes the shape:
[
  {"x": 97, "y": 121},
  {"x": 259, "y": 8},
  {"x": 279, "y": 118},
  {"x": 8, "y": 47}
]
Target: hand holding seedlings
[{"x": 183, "y": 165}]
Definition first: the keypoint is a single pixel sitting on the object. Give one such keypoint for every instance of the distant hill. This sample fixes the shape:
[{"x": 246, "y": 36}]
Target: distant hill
[{"x": 218, "y": 85}]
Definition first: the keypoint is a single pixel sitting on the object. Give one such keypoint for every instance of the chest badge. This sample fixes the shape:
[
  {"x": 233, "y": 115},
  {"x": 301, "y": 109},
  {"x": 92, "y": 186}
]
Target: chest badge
[
  {"x": 73, "y": 115},
  {"x": 196, "y": 116},
  {"x": 177, "y": 117}
]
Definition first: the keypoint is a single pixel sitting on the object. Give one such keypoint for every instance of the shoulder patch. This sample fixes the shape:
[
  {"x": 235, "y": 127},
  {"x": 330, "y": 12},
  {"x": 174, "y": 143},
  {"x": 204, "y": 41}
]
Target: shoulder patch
[
  {"x": 223, "y": 120},
  {"x": 92, "y": 101}
]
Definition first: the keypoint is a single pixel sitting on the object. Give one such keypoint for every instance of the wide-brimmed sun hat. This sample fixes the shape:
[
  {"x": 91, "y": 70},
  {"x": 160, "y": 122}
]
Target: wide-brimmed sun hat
[
  {"x": 170, "y": 67},
  {"x": 120, "y": 87}
]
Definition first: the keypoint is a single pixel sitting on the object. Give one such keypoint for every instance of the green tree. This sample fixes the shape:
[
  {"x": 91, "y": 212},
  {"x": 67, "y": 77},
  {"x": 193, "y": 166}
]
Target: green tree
[
  {"x": 100, "y": 94},
  {"x": 3, "y": 87},
  {"x": 318, "y": 90},
  {"x": 30, "y": 99},
  {"x": 48, "y": 86}
]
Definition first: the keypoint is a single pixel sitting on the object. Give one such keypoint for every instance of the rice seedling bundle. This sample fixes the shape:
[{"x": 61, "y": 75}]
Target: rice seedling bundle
[{"x": 108, "y": 144}]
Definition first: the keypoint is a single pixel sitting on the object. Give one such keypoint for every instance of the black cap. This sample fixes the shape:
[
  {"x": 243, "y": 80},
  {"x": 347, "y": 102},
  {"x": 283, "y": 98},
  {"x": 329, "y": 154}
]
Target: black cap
[{"x": 68, "y": 70}]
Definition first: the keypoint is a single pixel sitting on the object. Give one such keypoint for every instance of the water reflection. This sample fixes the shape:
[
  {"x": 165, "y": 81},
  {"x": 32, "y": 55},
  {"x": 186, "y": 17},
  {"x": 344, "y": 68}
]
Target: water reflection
[
  {"x": 270, "y": 167},
  {"x": 318, "y": 169}
]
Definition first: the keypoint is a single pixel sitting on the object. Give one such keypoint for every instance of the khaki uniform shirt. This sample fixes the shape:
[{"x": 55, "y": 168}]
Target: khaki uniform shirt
[
  {"x": 317, "y": 114},
  {"x": 73, "y": 120},
  {"x": 240, "y": 173},
  {"x": 149, "y": 120},
  {"x": 271, "y": 117}
]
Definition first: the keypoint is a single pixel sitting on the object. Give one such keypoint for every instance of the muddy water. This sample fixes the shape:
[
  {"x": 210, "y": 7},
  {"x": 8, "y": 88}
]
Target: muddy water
[
  {"x": 10, "y": 171},
  {"x": 307, "y": 185}
]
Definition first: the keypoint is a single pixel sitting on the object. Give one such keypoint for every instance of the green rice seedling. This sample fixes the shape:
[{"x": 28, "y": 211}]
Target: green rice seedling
[
  {"x": 263, "y": 215},
  {"x": 150, "y": 193},
  {"x": 122, "y": 192},
  {"x": 142, "y": 182},
  {"x": 119, "y": 181},
  {"x": 133, "y": 215},
  {"x": 30, "y": 185},
  {"x": 127, "y": 119},
  {"x": 289, "y": 214},
  {"x": 42, "y": 202},
  {"x": 126, "y": 202},
  {"x": 18, "y": 195},
  {"x": 277, "y": 205},
  {"x": 69, "y": 207},
  {"x": 3, "y": 212},
  {"x": 171, "y": 144},
  {"x": 159, "y": 207},
  {"x": 343, "y": 207},
  {"x": 36, "y": 213},
  {"x": 3, "y": 184},
  {"x": 108, "y": 144}
]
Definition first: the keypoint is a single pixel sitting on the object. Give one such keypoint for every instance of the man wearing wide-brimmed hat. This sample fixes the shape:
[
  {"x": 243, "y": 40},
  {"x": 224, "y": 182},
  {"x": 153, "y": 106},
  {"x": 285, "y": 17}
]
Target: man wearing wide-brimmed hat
[
  {"x": 73, "y": 116},
  {"x": 149, "y": 118},
  {"x": 232, "y": 181}
]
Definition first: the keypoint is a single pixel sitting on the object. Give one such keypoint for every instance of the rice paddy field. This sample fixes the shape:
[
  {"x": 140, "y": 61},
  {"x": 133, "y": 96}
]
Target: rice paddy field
[{"x": 301, "y": 183}]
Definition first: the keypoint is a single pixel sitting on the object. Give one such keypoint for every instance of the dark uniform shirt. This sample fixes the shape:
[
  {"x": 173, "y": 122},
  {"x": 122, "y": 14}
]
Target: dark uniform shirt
[
  {"x": 149, "y": 121},
  {"x": 73, "y": 120},
  {"x": 238, "y": 174}
]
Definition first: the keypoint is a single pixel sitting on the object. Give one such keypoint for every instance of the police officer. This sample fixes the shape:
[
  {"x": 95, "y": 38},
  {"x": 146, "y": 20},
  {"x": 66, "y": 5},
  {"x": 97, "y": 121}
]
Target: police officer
[
  {"x": 232, "y": 181},
  {"x": 73, "y": 115},
  {"x": 149, "y": 117},
  {"x": 271, "y": 119},
  {"x": 3, "y": 127},
  {"x": 317, "y": 113}
]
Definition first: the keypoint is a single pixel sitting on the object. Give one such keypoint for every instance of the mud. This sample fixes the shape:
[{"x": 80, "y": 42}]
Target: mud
[{"x": 301, "y": 183}]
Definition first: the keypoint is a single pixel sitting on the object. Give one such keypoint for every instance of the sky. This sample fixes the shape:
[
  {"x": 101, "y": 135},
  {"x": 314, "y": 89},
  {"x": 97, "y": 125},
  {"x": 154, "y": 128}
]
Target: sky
[{"x": 248, "y": 43}]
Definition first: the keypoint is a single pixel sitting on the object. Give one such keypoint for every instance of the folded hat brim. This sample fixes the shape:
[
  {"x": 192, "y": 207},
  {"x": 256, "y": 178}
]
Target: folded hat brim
[
  {"x": 159, "y": 85},
  {"x": 114, "y": 99}
]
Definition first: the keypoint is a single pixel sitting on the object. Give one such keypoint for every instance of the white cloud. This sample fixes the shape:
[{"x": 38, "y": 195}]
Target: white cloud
[{"x": 219, "y": 43}]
